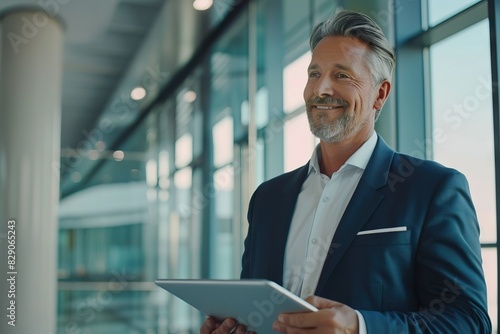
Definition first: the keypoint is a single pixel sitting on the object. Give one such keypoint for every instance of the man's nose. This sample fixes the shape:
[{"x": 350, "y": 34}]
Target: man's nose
[{"x": 324, "y": 87}]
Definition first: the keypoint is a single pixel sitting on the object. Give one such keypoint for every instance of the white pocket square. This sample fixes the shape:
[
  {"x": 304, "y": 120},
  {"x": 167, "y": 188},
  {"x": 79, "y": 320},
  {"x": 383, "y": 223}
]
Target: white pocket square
[{"x": 384, "y": 230}]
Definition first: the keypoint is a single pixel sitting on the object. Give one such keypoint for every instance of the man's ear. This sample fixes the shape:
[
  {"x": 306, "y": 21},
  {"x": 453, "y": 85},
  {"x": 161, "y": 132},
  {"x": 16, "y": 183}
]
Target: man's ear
[{"x": 382, "y": 94}]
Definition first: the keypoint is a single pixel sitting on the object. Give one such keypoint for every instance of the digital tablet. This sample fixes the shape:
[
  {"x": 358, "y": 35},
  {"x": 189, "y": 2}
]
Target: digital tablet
[{"x": 255, "y": 303}]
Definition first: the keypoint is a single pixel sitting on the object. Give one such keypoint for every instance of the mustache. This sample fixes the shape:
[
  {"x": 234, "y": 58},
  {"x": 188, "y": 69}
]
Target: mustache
[{"x": 326, "y": 100}]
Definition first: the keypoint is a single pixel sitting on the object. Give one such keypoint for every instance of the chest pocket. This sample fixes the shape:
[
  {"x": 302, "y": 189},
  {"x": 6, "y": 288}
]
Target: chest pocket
[{"x": 379, "y": 239}]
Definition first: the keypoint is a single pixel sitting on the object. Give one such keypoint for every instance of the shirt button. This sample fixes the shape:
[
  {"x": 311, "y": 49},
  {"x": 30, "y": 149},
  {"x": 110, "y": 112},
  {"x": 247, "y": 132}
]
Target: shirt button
[
  {"x": 326, "y": 199},
  {"x": 314, "y": 241},
  {"x": 308, "y": 291}
]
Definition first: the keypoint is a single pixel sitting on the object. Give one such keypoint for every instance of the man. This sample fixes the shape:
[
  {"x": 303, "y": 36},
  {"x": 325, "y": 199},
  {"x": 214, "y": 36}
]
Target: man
[{"x": 378, "y": 241}]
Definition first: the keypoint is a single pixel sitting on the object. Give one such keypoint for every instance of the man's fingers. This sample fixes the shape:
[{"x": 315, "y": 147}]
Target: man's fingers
[
  {"x": 331, "y": 315},
  {"x": 227, "y": 326},
  {"x": 211, "y": 326},
  {"x": 208, "y": 326},
  {"x": 320, "y": 302},
  {"x": 301, "y": 320}
]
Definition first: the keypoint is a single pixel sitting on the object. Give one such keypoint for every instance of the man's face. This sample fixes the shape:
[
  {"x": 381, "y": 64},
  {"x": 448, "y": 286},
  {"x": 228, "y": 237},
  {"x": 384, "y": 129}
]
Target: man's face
[{"x": 340, "y": 96}]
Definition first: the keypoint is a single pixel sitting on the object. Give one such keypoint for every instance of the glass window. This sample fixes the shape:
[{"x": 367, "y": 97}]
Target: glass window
[
  {"x": 224, "y": 186},
  {"x": 440, "y": 10},
  {"x": 223, "y": 141},
  {"x": 107, "y": 231},
  {"x": 163, "y": 170},
  {"x": 183, "y": 182},
  {"x": 296, "y": 27},
  {"x": 229, "y": 114},
  {"x": 261, "y": 109},
  {"x": 323, "y": 9},
  {"x": 184, "y": 150},
  {"x": 299, "y": 142},
  {"x": 491, "y": 274},
  {"x": 294, "y": 81},
  {"x": 463, "y": 126},
  {"x": 462, "y": 116}
]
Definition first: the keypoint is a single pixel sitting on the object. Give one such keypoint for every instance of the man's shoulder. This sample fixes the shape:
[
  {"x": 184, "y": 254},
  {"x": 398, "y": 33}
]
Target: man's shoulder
[
  {"x": 410, "y": 165},
  {"x": 404, "y": 162}
]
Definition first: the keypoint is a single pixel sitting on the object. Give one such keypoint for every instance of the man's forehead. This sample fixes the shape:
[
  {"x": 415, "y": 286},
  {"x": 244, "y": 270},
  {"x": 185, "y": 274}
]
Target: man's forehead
[
  {"x": 342, "y": 43},
  {"x": 340, "y": 47}
]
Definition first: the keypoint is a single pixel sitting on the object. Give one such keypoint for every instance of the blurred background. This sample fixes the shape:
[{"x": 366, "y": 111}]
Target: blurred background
[{"x": 133, "y": 133}]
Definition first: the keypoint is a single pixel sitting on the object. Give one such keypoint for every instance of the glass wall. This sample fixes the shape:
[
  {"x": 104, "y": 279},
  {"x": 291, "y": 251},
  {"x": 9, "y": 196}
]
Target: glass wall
[
  {"x": 171, "y": 200},
  {"x": 108, "y": 252},
  {"x": 439, "y": 11},
  {"x": 228, "y": 94},
  {"x": 462, "y": 123}
]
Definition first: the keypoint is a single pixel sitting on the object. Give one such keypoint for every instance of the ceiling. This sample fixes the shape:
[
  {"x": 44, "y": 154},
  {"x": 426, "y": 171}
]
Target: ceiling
[
  {"x": 100, "y": 41},
  {"x": 110, "y": 47}
]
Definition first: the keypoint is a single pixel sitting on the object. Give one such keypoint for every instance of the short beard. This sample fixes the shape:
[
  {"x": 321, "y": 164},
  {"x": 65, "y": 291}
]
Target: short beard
[{"x": 339, "y": 130}]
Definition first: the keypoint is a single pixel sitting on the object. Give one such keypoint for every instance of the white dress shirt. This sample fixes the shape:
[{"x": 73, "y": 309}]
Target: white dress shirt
[{"x": 320, "y": 206}]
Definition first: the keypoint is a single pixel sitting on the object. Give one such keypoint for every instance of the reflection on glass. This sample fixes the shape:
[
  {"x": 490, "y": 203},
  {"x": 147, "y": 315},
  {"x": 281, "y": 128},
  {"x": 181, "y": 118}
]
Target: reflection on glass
[
  {"x": 151, "y": 173},
  {"x": 163, "y": 172},
  {"x": 184, "y": 150},
  {"x": 163, "y": 164},
  {"x": 183, "y": 179},
  {"x": 261, "y": 109},
  {"x": 440, "y": 10},
  {"x": 299, "y": 142},
  {"x": 294, "y": 81},
  {"x": 224, "y": 186},
  {"x": 223, "y": 141}
]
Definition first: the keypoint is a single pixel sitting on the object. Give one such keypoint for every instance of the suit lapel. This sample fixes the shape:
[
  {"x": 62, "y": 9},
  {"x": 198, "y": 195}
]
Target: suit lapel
[
  {"x": 364, "y": 201},
  {"x": 284, "y": 209}
]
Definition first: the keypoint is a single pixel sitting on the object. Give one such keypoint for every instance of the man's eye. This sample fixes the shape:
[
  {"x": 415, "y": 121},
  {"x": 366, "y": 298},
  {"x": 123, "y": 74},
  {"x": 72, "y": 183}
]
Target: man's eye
[
  {"x": 313, "y": 75},
  {"x": 342, "y": 76}
]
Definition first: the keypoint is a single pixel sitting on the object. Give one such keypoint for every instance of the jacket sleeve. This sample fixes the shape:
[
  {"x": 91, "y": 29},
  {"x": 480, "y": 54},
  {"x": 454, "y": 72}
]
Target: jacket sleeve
[{"x": 450, "y": 282}]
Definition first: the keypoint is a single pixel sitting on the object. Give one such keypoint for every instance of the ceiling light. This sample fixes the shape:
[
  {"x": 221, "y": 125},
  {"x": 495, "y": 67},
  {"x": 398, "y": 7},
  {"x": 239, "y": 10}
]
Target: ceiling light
[
  {"x": 118, "y": 155},
  {"x": 202, "y": 4},
  {"x": 100, "y": 145},
  {"x": 76, "y": 177},
  {"x": 189, "y": 96},
  {"x": 93, "y": 155},
  {"x": 138, "y": 93}
]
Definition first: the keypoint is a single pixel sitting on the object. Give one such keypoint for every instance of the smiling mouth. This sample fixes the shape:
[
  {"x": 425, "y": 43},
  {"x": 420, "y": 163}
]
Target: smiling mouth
[{"x": 322, "y": 107}]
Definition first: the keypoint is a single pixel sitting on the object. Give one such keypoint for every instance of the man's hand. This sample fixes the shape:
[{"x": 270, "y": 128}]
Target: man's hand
[
  {"x": 332, "y": 318},
  {"x": 211, "y": 326}
]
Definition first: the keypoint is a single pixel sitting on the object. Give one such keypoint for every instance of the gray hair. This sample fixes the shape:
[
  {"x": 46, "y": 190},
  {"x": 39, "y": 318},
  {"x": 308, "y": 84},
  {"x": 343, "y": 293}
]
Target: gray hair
[{"x": 361, "y": 27}]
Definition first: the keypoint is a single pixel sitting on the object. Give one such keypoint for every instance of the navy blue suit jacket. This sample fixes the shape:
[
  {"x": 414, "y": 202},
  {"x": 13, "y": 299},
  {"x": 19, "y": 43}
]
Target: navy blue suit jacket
[{"x": 428, "y": 279}]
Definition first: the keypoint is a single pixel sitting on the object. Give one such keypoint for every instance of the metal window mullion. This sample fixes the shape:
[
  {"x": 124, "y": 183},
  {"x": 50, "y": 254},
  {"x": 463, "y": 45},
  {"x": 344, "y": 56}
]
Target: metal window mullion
[
  {"x": 494, "y": 21},
  {"x": 452, "y": 25}
]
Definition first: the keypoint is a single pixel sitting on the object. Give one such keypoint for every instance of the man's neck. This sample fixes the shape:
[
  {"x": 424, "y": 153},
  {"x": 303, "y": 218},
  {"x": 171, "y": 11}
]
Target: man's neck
[{"x": 334, "y": 155}]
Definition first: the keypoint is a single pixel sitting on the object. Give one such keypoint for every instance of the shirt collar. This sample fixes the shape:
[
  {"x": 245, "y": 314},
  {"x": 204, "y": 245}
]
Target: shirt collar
[{"x": 359, "y": 158}]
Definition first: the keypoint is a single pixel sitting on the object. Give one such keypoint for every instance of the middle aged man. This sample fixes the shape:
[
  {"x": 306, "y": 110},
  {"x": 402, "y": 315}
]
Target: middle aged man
[{"x": 380, "y": 242}]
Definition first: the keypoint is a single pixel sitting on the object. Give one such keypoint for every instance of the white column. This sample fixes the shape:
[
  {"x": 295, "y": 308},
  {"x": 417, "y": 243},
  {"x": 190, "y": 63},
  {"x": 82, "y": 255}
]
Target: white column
[{"x": 30, "y": 120}]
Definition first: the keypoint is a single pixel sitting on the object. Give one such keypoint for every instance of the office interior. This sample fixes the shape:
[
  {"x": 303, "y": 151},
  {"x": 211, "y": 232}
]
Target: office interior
[{"x": 133, "y": 133}]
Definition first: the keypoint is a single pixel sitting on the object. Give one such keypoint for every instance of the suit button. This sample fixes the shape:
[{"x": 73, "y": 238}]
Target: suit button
[{"x": 326, "y": 199}]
